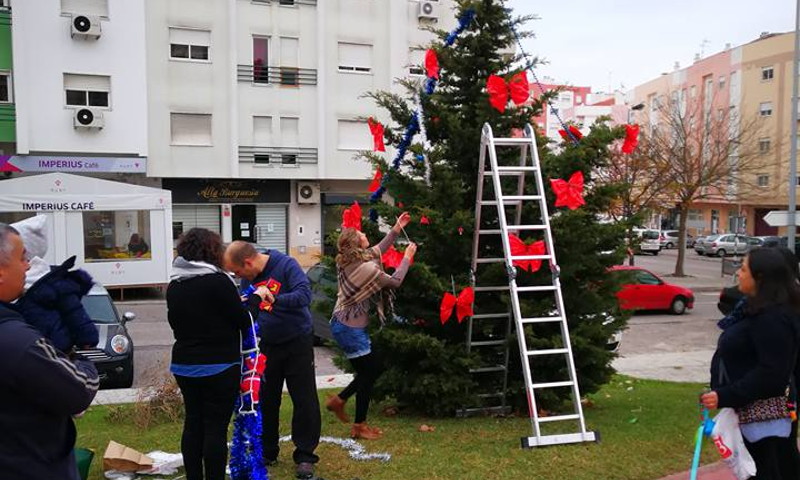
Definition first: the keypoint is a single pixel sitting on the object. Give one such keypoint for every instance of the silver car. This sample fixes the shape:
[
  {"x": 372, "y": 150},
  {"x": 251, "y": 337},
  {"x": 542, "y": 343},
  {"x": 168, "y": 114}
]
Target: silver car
[{"x": 729, "y": 244}]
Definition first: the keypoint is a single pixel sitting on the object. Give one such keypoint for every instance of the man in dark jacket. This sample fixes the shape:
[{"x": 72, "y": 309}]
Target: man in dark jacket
[
  {"x": 40, "y": 388},
  {"x": 286, "y": 339}
]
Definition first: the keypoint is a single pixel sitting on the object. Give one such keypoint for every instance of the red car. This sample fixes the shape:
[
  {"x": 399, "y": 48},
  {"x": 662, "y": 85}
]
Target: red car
[{"x": 644, "y": 290}]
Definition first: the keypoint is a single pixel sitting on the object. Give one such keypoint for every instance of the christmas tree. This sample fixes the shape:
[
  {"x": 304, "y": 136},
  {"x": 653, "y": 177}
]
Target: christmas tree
[{"x": 435, "y": 177}]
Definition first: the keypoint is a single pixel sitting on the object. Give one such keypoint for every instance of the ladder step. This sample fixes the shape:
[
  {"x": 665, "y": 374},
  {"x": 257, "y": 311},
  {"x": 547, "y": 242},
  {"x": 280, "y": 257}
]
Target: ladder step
[
  {"x": 493, "y": 203},
  {"x": 496, "y": 368},
  {"x": 540, "y": 319},
  {"x": 552, "y": 351},
  {"x": 522, "y": 197},
  {"x": 491, "y": 289},
  {"x": 490, "y": 260},
  {"x": 546, "y": 288},
  {"x": 526, "y": 227},
  {"x": 518, "y": 168},
  {"x": 559, "y": 418},
  {"x": 509, "y": 141},
  {"x": 481, "y": 316},
  {"x": 547, "y": 440},
  {"x": 568, "y": 383},
  {"x": 488, "y": 343},
  {"x": 490, "y": 395},
  {"x": 531, "y": 257}
]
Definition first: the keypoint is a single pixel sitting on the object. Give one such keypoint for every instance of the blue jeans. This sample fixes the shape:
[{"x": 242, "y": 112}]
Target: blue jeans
[{"x": 354, "y": 341}]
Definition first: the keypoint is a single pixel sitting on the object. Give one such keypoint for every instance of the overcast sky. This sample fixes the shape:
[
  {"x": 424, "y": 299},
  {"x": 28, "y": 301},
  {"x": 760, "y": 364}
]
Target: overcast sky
[{"x": 623, "y": 43}]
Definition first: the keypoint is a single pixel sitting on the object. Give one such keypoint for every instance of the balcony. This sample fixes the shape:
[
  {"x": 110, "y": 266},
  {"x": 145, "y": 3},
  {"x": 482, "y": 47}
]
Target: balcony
[
  {"x": 284, "y": 76},
  {"x": 280, "y": 156}
]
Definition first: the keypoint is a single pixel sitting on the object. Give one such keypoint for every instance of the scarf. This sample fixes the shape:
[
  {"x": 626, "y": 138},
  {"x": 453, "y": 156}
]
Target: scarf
[
  {"x": 736, "y": 315},
  {"x": 358, "y": 283},
  {"x": 183, "y": 269}
]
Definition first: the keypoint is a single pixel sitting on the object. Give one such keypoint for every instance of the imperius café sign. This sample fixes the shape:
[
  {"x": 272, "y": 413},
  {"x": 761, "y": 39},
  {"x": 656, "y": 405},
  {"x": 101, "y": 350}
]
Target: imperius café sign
[{"x": 185, "y": 190}]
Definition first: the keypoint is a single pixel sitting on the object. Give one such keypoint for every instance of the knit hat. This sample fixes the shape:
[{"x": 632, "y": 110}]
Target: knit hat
[{"x": 32, "y": 231}]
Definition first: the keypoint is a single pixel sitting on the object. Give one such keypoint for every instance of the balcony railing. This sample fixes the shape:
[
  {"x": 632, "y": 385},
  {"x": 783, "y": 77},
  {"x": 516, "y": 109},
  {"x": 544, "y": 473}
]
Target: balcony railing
[
  {"x": 285, "y": 76},
  {"x": 284, "y": 156},
  {"x": 286, "y": 3}
]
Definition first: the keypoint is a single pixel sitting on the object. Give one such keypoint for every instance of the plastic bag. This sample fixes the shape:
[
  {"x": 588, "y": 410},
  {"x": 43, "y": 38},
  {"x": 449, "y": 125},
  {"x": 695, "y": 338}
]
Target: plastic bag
[{"x": 728, "y": 439}]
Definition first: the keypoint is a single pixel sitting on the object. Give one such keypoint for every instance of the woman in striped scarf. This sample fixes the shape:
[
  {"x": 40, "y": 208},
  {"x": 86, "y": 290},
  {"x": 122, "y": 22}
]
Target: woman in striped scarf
[{"x": 361, "y": 280}]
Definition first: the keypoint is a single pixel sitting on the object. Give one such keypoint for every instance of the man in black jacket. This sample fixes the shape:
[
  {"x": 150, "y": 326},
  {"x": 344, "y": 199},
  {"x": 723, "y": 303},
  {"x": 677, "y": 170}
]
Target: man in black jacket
[{"x": 40, "y": 388}]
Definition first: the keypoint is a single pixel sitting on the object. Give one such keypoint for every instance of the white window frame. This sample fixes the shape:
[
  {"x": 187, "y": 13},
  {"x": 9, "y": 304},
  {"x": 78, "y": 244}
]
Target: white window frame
[
  {"x": 416, "y": 69},
  {"x": 356, "y": 126},
  {"x": 762, "y": 180},
  {"x": 189, "y": 46},
  {"x": 105, "y": 14},
  {"x": 767, "y": 73},
  {"x": 356, "y": 69},
  {"x": 10, "y": 81},
  {"x": 210, "y": 134},
  {"x": 764, "y": 145},
  {"x": 87, "y": 90},
  {"x": 765, "y": 109}
]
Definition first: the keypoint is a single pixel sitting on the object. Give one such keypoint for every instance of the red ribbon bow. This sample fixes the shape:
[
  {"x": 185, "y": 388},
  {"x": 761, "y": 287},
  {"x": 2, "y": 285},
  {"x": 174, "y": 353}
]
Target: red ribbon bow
[
  {"x": 519, "y": 248},
  {"x": 258, "y": 364},
  {"x": 376, "y": 180},
  {"x": 376, "y": 129},
  {"x": 575, "y": 131},
  {"x": 251, "y": 385},
  {"x": 462, "y": 305},
  {"x": 432, "y": 64},
  {"x": 392, "y": 257},
  {"x": 569, "y": 193},
  {"x": 423, "y": 220},
  {"x": 351, "y": 217},
  {"x": 631, "y": 139},
  {"x": 499, "y": 91}
]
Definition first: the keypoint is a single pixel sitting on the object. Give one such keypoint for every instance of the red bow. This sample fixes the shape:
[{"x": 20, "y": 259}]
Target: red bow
[
  {"x": 520, "y": 248},
  {"x": 376, "y": 129},
  {"x": 499, "y": 91},
  {"x": 351, "y": 217},
  {"x": 569, "y": 193},
  {"x": 462, "y": 304},
  {"x": 432, "y": 64},
  {"x": 423, "y": 220},
  {"x": 631, "y": 138},
  {"x": 251, "y": 385},
  {"x": 573, "y": 130},
  {"x": 391, "y": 258},
  {"x": 376, "y": 180}
]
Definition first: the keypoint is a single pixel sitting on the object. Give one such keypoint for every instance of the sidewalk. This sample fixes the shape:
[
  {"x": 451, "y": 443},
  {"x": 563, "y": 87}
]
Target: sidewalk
[{"x": 715, "y": 471}]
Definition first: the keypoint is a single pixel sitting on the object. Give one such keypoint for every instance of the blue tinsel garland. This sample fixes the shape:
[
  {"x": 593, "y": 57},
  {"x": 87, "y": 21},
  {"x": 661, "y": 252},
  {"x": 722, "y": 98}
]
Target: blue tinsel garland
[{"x": 413, "y": 126}]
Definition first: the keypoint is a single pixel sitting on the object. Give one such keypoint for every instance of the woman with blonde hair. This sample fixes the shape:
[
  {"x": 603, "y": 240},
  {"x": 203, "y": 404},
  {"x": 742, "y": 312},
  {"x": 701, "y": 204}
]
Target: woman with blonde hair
[{"x": 361, "y": 280}]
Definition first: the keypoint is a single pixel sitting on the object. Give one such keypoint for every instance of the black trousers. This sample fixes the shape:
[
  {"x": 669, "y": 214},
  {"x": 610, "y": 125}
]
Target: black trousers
[
  {"x": 368, "y": 368},
  {"x": 209, "y": 403},
  {"x": 776, "y": 458},
  {"x": 293, "y": 362}
]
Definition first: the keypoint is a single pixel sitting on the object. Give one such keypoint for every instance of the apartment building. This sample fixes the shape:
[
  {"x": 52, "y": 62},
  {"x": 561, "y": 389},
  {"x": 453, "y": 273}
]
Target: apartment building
[{"x": 751, "y": 86}]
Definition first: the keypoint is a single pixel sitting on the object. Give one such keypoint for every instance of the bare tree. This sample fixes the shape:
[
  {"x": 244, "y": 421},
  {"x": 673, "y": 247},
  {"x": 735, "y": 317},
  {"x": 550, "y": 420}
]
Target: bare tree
[{"x": 704, "y": 153}]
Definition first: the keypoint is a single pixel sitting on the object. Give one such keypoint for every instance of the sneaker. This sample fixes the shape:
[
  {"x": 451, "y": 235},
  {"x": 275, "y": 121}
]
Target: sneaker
[
  {"x": 304, "y": 471},
  {"x": 336, "y": 405}
]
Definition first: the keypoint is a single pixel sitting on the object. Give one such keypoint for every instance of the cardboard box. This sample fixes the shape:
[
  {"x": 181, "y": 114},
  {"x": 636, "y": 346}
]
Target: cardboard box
[{"x": 124, "y": 459}]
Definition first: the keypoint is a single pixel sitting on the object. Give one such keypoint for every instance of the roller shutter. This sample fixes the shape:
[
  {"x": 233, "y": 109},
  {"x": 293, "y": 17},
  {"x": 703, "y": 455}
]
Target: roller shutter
[{"x": 271, "y": 226}]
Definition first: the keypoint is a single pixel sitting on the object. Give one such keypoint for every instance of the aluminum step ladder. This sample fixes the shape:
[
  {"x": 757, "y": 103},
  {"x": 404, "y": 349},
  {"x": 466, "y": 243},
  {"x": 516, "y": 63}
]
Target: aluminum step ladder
[{"x": 490, "y": 222}]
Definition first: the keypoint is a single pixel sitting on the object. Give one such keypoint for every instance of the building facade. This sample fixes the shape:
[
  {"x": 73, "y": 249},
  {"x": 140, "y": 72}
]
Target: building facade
[{"x": 751, "y": 86}]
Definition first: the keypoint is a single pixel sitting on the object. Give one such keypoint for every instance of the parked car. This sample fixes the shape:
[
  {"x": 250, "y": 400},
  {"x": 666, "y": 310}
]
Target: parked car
[
  {"x": 700, "y": 242},
  {"x": 323, "y": 289},
  {"x": 771, "y": 241},
  {"x": 644, "y": 290},
  {"x": 729, "y": 244},
  {"x": 670, "y": 238},
  {"x": 649, "y": 240},
  {"x": 113, "y": 354}
]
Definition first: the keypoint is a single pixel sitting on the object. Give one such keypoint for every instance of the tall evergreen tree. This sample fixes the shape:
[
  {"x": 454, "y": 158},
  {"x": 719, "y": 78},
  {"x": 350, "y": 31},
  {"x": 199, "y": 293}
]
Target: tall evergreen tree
[{"x": 427, "y": 362}]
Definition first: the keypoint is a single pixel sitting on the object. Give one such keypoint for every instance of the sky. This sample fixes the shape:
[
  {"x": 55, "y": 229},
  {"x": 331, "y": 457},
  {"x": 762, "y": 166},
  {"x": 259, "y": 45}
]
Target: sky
[{"x": 618, "y": 44}]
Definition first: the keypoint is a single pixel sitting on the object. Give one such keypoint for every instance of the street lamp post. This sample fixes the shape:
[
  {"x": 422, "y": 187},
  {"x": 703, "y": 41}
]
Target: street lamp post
[
  {"x": 791, "y": 224},
  {"x": 629, "y": 182}
]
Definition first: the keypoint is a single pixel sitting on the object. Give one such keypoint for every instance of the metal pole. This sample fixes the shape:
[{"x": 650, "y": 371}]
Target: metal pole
[{"x": 792, "y": 228}]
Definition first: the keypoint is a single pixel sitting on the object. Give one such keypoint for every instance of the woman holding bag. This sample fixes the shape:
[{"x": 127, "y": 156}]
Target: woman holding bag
[{"x": 755, "y": 357}]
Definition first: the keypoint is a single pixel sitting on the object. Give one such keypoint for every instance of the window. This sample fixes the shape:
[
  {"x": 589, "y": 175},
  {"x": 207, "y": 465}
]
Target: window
[
  {"x": 118, "y": 236},
  {"x": 289, "y": 72},
  {"x": 5, "y": 87},
  {"x": 797, "y": 181},
  {"x": 286, "y": 3},
  {"x": 721, "y": 82},
  {"x": 765, "y": 109},
  {"x": 262, "y": 131},
  {"x": 87, "y": 90},
  {"x": 416, "y": 58},
  {"x": 694, "y": 215},
  {"x": 646, "y": 278},
  {"x": 261, "y": 59},
  {"x": 190, "y": 129},
  {"x": 763, "y": 145},
  {"x": 354, "y": 57},
  {"x": 189, "y": 44},
  {"x": 84, "y": 7},
  {"x": 763, "y": 180},
  {"x": 289, "y": 159},
  {"x": 767, "y": 73},
  {"x": 353, "y": 135},
  {"x": 692, "y": 91},
  {"x": 290, "y": 131}
]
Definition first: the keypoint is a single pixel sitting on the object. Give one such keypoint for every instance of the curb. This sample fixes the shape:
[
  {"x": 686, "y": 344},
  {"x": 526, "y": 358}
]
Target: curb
[{"x": 714, "y": 471}]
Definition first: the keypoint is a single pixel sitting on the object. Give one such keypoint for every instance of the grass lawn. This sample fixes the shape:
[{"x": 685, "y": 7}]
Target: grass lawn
[{"x": 647, "y": 430}]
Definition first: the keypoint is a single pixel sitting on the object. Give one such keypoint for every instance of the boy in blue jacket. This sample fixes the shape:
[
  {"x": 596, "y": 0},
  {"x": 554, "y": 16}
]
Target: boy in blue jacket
[{"x": 52, "y": 300}]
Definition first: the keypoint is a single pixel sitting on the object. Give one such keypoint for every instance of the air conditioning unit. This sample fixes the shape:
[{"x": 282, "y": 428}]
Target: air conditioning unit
[
  {"x": 307, "y": 192},
  {"x": 87, "y": 118},
  {"x": 85, "y": 26},
  {"x": 428, "y": 10}
]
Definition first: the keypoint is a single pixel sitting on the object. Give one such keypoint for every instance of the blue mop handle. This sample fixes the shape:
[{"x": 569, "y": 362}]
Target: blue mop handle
[{"x": 705, "y": 428}]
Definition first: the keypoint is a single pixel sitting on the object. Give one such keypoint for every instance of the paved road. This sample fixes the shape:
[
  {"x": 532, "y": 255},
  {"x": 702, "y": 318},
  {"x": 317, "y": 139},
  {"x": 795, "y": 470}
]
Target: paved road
[{"x": 696, "y": 266}]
